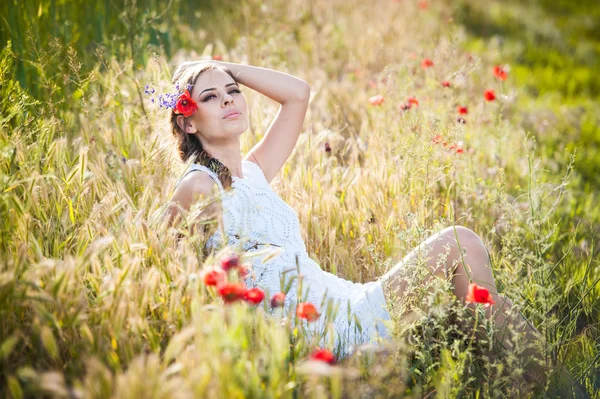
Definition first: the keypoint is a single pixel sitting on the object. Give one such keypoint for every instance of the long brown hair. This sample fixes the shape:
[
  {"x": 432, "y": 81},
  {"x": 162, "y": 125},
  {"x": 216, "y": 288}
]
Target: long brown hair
[{"x": 188, "y": 145}]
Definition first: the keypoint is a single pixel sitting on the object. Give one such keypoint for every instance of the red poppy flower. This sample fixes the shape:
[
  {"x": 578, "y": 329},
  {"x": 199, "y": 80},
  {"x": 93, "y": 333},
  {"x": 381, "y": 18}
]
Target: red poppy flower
[
  {"x": 277, "y": 299},
  {"x": 462, "y": 110},
  {"x": 437, "y": 139},
  {"x": 213, "y": 276},
  {"x": 478, "y": 294},
  {"x": 426, "y": 63},
  {"x": 185, "y": 104},
  {"x": 445, "y": 83},
  {"x": 230, "y": 261},
  {"x": 423, "y": 4},
  {"x": 413, "y": 101},
  {"x": 243, "y": 271},
  {"x": 254, "y": 296},
  {"x": 306, "y": 310},
  {"x": 376, "y": 100},
  {"x": 499, "y": 72},
  {"x": 489, "y": 95},
  {"x": 405, "y": 106},
  {"x": 462, "y": 121},
  {"x": 323, "y": 355},
  {"x": 231, "y": 292},
  {"x": 217, "y": 57}
]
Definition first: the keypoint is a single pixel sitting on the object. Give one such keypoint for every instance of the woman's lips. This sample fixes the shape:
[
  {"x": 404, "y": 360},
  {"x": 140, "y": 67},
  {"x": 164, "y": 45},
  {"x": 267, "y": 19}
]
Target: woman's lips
[{"x": 232, "y": 116}]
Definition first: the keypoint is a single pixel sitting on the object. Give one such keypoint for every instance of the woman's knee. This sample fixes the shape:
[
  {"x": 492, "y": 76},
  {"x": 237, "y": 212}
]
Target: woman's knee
[{"x": 462, "y": 236}]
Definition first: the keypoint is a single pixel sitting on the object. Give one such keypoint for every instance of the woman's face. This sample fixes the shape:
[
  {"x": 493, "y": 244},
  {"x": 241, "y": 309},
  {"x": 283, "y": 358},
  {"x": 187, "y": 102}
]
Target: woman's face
[{"x": 217, "y": 95}]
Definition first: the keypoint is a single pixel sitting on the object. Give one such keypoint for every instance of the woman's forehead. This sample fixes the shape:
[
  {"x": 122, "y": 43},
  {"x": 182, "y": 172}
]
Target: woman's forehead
[{"x": 212, "y": 78}]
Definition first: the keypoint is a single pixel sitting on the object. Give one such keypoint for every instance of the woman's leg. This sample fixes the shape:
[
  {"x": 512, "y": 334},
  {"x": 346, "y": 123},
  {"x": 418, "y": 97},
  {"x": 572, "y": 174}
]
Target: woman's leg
[{"x": 465, "y": 249}]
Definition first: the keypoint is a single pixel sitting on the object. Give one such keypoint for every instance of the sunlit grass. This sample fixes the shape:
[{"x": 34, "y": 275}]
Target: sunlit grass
[{"x": 98, "y": 298}]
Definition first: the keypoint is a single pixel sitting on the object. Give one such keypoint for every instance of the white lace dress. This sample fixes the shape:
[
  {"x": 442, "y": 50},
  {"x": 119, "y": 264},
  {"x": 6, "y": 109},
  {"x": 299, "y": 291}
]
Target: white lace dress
[{"x": 256, "y": 218}]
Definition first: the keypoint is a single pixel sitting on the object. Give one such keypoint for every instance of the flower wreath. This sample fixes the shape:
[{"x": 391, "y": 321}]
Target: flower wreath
[{"x": 181, "y": 103}]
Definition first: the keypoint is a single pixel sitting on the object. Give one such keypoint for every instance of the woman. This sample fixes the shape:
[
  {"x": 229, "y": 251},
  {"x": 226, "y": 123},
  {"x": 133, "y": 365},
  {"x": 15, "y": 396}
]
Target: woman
[{"x": 208, "y": 132}]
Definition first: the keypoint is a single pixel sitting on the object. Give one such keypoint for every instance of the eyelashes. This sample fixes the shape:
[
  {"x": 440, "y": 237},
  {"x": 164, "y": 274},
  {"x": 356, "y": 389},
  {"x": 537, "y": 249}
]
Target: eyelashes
[{"x": 212, "y": 95}]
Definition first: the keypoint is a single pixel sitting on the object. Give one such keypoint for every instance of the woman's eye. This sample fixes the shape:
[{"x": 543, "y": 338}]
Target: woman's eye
[{"x": 212, "y": 95}]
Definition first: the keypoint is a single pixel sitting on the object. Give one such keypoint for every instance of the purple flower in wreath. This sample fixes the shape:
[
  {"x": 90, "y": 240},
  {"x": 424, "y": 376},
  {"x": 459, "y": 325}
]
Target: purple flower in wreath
[{"x": 179, "y": 101}]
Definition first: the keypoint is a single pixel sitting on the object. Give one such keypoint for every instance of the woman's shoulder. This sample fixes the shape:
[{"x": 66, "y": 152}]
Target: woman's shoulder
[
  {"x": 200, "y": 182},
  {"x": 253, "y": 171}
]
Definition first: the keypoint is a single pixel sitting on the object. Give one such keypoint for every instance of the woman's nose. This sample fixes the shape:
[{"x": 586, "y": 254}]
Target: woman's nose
[{"x": 227, "y": 98}]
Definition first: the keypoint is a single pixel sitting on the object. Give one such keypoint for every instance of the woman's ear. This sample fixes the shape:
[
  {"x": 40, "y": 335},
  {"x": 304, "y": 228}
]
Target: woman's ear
[{"x": 185, "y": 125}]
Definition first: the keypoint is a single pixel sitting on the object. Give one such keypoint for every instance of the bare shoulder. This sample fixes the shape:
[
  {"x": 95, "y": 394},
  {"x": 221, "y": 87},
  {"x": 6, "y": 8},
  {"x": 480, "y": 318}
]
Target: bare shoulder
[{"x": 194, "y": 185}]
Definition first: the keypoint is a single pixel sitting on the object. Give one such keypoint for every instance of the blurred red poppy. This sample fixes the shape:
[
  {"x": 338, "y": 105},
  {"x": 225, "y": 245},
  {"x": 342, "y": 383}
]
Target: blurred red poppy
[
  {"x": 479, "y": 294},
  {"x": 308, "y": 311},
  {"x": 212, "y": 275},
  {"x": 499, "y": 72},
  {"x": 254, "y": 296},
  {"x": 426, "y": 63},
  {"x": 323, "y": 355},
  {"x": 277, "y": 300},
  {"x": 231, "y": 292},
  {"x": 230, "y": 261},
  {"x": 489, "y": 95},
  {"x": 376, "y": 100}
]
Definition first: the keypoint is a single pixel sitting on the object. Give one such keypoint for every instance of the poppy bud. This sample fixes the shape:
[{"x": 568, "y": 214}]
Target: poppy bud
[{"x": 277, "y": 300}]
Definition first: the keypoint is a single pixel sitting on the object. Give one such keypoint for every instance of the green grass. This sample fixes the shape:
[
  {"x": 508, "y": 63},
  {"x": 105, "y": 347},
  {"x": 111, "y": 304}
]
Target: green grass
[{"x": 98, "y": 300}]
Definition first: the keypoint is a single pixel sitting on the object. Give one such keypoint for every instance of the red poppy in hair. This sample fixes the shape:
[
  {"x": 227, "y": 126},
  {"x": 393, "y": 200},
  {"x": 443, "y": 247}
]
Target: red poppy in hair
[{"x": 185, "y": 104}]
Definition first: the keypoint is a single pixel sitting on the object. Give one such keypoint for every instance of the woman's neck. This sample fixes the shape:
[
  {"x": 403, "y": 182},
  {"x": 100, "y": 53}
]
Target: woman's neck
[{"x": 229, "y": 155}]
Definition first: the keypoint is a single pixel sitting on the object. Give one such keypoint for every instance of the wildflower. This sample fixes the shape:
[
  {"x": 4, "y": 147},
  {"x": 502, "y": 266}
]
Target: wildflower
[
  {"x": 499, "y": 72},
  {"x": 277, "y": 299},
  {"x": 489, "y": 95},
  {"x": 372, "y": 84},
  {"x": 306, "y": 310},
  {"x": 462, "y": 121},
  {"x": 445, "y": 83},
  {"x": 231, "y": 292},
  {"x": 254, "y": 296},
  {"x": 478, "y": 294},
  {"x": 412, "y": 101},
  {"x": 217, "y": 57},
  {"x": 212, "y": 275},
  {"x": 404, "y": 106},
  {"x": 423, "y": 4},
  {"x": 231, "y": 261},
  {"x": 437, "y": 139},
  {"x": 323, "y": 355},
  {"x": 376, "y": 100},
  {"x": 243, "y": 271},
  {"x": 327, "y": 147},
  {"x": 457, "y": 147},
  {"x": 462, "y": 110},
  {"x": 148, "y": 90},
  {"x": 185, "y": 104},
  {"x": 426, "y": 63}
]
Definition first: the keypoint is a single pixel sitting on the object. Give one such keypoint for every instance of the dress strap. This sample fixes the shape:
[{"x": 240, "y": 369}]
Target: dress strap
[{"x": 194, "y": 166}]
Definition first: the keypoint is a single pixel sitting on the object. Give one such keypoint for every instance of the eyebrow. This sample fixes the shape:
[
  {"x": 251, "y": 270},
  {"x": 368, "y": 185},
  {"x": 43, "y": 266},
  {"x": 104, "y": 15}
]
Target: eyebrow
[{"x": 214, "y": 88}]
